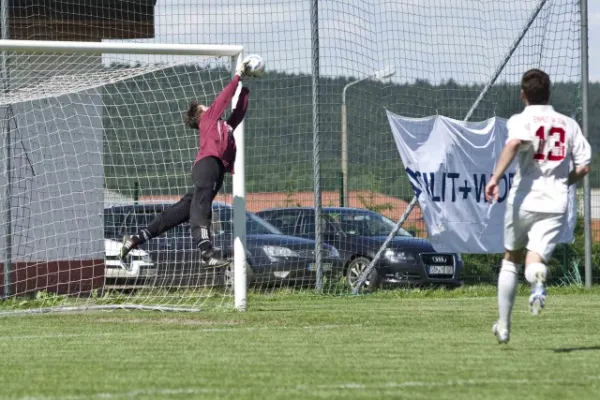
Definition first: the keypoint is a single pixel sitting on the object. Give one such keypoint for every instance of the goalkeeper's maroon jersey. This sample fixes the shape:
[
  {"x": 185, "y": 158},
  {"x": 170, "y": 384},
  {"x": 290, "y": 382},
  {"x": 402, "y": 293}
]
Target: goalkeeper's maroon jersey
[{"x": 215, "y": 134}]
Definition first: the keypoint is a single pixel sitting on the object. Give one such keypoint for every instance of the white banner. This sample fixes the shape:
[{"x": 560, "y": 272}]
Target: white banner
[{"x": 449, "y": 162}]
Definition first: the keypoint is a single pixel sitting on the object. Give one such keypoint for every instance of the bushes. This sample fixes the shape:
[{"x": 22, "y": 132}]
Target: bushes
[
  {"x": 481, "y": 267},
  {"x": 565, "y": 268}
]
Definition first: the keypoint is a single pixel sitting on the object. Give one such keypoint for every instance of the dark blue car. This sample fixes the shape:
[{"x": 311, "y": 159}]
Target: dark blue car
[
  {"x": 271, "y": 256},
  {"x": 358, "y": 234}
]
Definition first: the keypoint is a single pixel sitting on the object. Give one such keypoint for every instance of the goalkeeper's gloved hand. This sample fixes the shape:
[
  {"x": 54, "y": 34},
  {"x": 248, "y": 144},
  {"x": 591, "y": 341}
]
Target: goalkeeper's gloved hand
[{"x": 242, "y": 70}]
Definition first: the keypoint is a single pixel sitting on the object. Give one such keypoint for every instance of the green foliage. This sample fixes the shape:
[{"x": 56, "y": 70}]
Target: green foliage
[
  {"x": 411, "y": 227},
  {"x": 565, "y": 267},
  {"x": 481, "y": 267},
  {"x": 572, "y": 276},
  {"x": 567, "y": 264},
  {"x": 290, "y": 190},
  {"x": 369, "y": 201},
  {"x": 145, "y": 139}
]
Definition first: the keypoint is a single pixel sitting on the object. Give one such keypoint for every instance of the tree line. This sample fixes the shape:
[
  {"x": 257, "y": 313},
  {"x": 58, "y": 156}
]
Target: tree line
[{"x": 146, "y": 143}]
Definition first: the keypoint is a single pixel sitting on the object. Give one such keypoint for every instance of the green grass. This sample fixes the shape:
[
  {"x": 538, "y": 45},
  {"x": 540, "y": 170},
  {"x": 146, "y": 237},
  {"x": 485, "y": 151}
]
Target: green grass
[{"x": 392, "y": 344}]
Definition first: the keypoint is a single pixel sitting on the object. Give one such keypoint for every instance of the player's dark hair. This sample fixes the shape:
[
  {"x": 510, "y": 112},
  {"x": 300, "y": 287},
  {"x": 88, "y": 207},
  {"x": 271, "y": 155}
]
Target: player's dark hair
[
  {"x": 191, "y": 117},
  {"x": 536, "y": 86}
]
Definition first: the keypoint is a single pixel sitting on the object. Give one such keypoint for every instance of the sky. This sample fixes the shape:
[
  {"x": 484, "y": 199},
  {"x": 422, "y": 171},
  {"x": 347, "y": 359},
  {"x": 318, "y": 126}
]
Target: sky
[{"x": 436, "y": 40}]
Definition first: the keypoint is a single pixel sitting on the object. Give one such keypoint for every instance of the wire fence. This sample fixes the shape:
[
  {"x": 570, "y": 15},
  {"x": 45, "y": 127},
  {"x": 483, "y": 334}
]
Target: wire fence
[{"x": 317, "y": 135}]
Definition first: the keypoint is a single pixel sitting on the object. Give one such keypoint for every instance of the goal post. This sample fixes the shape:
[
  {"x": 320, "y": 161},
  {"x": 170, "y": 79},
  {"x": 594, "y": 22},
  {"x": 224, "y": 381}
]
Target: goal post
[
  {"x": 81, "y": 122},
  {"x": 239, "y": 209}
]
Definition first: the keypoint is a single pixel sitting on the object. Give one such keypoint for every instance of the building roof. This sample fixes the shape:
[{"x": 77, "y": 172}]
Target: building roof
[{"x": 81, "y": 20}]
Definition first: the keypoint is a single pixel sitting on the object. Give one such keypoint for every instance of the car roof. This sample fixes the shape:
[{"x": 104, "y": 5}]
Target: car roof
[
  {"x": 156, "y": 205},
  {"x": 219, "y": 204}
]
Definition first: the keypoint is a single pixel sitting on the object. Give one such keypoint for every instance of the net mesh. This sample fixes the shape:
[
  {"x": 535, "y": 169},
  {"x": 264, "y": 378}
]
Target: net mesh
[
  {"x": 442, "y": 55},
  {"x": 92, "y": 140}
]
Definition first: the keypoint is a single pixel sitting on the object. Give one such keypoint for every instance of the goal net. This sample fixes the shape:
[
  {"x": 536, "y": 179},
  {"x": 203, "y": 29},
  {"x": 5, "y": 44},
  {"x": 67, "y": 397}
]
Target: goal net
[{"x": 94, "y": 146}]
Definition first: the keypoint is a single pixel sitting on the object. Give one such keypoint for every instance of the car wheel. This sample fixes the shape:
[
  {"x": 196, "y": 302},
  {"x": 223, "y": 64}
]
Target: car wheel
[{"x": 356, "y": 268}]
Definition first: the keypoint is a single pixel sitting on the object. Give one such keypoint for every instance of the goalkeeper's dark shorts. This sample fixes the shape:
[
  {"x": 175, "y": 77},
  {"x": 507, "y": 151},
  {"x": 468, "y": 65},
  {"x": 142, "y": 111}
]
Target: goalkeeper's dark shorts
[{"x": 207, "y": 174}]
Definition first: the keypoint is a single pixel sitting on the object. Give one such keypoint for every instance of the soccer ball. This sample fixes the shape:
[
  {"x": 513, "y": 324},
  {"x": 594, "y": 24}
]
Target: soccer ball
[{"x": 256, "y": 65}]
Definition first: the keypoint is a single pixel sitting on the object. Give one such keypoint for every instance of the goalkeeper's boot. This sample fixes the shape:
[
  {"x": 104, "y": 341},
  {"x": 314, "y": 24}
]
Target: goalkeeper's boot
[
  {"x": 503, "y": 335},
  {"x": 209, "y": 259},
  {"x": 130, "y": 242},
  {"x": 538, "y": 295}
]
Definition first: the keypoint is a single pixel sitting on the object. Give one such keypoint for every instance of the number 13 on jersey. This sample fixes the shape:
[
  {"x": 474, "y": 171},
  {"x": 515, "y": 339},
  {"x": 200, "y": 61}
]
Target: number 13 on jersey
[{"x": 551, "y": 144}]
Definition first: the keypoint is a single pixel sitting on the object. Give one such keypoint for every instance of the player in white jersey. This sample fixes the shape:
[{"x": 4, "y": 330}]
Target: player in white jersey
[{"x": 545, "y": 143}]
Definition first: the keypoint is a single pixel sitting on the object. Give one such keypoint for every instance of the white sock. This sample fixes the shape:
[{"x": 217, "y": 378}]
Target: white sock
[
  {"x": 532, "y": 270},
  {"x": 507, "y": 291}
]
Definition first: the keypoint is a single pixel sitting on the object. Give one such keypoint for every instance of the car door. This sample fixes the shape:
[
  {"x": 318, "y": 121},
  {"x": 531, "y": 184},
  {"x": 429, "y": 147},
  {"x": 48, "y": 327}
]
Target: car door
[
  {"x": 306, "y": 225},
  {"x": 331, "y": 235},
  {"x": 222, "y": 231}
]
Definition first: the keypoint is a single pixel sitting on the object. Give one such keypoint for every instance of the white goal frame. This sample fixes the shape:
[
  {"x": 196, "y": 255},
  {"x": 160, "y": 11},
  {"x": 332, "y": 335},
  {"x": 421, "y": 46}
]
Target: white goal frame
[{"x": 235, "y": 52}]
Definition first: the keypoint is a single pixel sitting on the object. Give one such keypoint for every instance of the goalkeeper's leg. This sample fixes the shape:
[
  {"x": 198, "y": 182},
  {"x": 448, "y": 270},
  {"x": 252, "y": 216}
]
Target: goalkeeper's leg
[
  {"x": 171, "y": 217},
  {"x": 208, "y": 174}
]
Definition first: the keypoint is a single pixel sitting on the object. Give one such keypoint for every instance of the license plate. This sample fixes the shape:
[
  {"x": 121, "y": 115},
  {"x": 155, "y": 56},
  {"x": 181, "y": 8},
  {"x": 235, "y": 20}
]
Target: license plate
[
  {"x": 440, "y": 270},
  {"x": 313, "y": 267}
]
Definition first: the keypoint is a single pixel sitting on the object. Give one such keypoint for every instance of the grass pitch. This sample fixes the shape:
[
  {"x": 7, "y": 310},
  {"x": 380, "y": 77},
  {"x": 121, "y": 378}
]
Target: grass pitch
[{"x": 397, "y": 344}]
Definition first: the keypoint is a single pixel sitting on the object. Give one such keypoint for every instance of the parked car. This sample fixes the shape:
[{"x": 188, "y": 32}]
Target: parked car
[
  {"x": 272, "y": 257},
  {"x": 141, "y": 267},
  {"x": 358, "y": 234}
]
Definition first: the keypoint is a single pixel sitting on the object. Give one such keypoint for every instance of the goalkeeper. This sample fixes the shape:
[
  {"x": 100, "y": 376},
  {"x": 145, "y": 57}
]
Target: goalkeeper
[{"x": 215, "y": 157}]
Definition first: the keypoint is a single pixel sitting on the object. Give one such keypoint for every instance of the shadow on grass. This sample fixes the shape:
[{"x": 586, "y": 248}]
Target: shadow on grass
[{"x": 571, "y": 349}]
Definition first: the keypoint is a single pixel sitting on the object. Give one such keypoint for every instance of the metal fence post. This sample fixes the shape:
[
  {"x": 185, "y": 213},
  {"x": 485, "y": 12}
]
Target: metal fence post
[
  {"x": 314, "y": 23},
  {"x": 587, "y": 203}
]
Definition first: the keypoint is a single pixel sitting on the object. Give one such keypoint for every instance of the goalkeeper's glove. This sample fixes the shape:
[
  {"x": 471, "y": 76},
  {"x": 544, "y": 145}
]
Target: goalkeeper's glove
[{"x": 242, "y": 69}]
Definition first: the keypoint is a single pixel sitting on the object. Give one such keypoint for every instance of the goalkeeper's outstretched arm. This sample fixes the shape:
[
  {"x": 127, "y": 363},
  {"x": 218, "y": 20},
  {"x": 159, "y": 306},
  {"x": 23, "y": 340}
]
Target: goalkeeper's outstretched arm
[
  {"x": 218, "y": 107},
  {"x": 240, "y": 109},
  {"x": 210, "y": 115}
]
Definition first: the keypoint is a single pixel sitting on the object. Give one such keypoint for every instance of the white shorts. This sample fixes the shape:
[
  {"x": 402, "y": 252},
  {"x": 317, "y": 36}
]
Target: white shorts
[{"x": 538, "y": 232}]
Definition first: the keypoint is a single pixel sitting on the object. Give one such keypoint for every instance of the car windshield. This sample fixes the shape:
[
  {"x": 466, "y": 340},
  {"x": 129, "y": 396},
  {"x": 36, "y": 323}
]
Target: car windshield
[
  {"x": 255, "y": 225},
  {"x": 363, "y": 223}
]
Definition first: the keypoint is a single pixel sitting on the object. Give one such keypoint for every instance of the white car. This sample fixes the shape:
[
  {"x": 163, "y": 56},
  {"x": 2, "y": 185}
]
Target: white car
[{"x": 141, "y": 265}]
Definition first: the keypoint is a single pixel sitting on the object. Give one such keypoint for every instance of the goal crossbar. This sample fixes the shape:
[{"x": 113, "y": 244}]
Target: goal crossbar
[{"x": 43, "y": 46}]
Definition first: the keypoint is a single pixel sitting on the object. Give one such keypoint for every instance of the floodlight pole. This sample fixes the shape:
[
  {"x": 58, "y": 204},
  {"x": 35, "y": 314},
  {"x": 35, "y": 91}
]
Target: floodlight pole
[{"x": 384, "y": 73}]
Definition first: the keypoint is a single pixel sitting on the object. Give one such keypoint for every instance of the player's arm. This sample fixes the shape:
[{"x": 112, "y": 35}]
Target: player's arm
[
  {"x": 511, "y": 148},
  {"x": 518, "y": 135},
  {"x": 582, "y": 157},
  {"x": 218, "y": 106},
  {"x": 240, "y": 108},
  {"x": 578, "y": 174}
]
